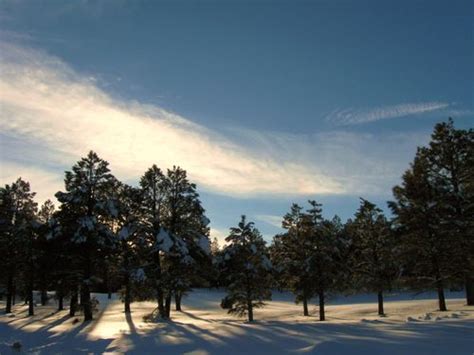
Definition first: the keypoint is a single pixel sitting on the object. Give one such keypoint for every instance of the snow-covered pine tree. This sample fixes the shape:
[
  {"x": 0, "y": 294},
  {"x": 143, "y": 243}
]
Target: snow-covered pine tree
[
  {"x": 290, "y": 255},
  {"x": 246, "y": 266},
  {"x": 66, "y": 256},
  {"x": 185, "y": 220},
  {"x": 43, "y": 247},
  {"x": 88, "y": 189},
  {"x": 17, "y": 213},
  {"x": 325, "y": 247},
  {"x": 153, "y": 188},
  {"x": 426, "y": 251},
  {"x": 132, "y": 242},
  {"x": 373, "y": 257}
]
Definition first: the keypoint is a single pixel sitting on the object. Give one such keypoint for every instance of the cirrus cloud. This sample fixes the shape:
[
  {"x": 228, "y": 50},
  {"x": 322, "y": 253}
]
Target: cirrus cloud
[{"x": 352, "y": 116}]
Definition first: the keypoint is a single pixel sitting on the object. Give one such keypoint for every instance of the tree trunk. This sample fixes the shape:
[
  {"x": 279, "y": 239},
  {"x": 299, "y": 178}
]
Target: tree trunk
[
  {"x": 13, "y": 292},
  {"x": 161, "y": 305},
  {"x": 380, "y": 300},
  {"x": 322, "y": 314},
  {"x": 250, "y": 310},
  {"x": 168, "y": 306},
  {"x": 31, "y": 308},
  {"x": 44, "y": 297},
  {"x": 305, "y": 306},
  {"x": 86, "y": 301},
  {"x": 441, "y": 298},
  {"x": 10, "y": 294},
  {"x": 73, "y": 304},
  {"x": 177, "y": 300},
  {"x": 60, "y": 302},
  {"x": 470, "y": 291},
  {"x": 127, "y": 295}
]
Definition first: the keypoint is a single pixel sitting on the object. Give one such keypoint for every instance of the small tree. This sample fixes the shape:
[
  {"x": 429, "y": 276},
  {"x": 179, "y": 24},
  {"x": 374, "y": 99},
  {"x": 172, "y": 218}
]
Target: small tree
[{"x": 246, "y": 267}]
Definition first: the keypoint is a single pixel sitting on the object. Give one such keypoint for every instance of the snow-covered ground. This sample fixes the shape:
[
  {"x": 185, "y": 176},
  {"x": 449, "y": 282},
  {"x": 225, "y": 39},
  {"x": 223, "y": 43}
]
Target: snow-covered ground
[{"x": 412, "y": 326}]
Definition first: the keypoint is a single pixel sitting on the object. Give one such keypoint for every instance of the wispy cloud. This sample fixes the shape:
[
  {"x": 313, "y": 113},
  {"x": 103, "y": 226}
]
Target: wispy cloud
[
  {"x": 43, "y": 101},
  {"x": 352, "y": 116}
]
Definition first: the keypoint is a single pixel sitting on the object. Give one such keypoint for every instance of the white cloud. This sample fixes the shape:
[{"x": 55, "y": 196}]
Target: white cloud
[
  {"x": 44, "y": 101},
  {"x": 353, "y": 116},
  {"x": 59, "y": 115}
]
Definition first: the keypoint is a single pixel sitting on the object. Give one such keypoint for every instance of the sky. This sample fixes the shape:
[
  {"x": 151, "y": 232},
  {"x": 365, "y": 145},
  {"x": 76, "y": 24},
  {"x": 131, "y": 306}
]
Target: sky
[{"x": 264, "y": 103}]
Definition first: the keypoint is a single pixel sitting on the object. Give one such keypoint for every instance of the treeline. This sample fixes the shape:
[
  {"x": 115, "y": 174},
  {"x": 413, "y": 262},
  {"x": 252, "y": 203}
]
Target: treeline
[
  {"x": 148, "y": 242},
  {"x": 152, "y": 241}
]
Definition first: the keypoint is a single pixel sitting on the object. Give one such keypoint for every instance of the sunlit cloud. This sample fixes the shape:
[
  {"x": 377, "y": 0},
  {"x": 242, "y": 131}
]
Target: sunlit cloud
[
  {"x": 45, "y": 102},
  {"x": 352, "y": 116},
  {"x": 51, "y": 116}
]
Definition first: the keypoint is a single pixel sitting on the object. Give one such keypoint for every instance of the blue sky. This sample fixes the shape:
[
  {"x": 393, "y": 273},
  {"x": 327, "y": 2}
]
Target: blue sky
[{"x": 263, "y": 102}]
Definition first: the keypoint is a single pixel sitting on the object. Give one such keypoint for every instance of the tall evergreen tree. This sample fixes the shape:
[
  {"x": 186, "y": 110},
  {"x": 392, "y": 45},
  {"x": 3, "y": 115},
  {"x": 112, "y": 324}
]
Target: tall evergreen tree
[
  {"x": 247, "y": 268},
  {"x": 450, "y": 156},
  {"x": 373, "y": 258},
  {"x": 44, "y": 249},
  {"x": 426, "y": 251},
  {"x": 291, "y": 253},
  {"x": 325, "y": 247},
  {"x": 153, "y": 188},
  {"x": 18, "y": 214},
  {"x": 185, "y": 220},
  {"x": 132, "y": 242},
  {"x": 88, "y": 188}
]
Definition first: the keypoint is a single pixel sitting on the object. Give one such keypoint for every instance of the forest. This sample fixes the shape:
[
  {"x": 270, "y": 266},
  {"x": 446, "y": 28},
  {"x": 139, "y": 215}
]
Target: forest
[{"x": 151, "y": 241}]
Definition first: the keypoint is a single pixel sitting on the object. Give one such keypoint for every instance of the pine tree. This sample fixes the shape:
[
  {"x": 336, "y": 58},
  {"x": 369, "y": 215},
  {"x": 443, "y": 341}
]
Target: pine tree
[
  {"x": 325, "y": 246},
  {"x": 18, "y": 223},
  {"x": 132, "y": 242},
  {"x": 436, "y": 201},
  {"x": 247, "y": 268},
  {"x": 153, "y": 189},
  {"x": 184, "y": 219},
  {"x": 425, "y": 250},
  {"x": 373, "y": 251},
  {"x": 88, "y": 188},
  {"x": 450, "y": 156},
  {"x": 44, "y": 249},
  {"x": 290, "y": 254}
]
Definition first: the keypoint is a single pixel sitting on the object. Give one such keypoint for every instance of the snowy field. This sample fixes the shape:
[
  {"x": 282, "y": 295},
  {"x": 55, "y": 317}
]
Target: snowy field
[{"x": 412, "y": 326}]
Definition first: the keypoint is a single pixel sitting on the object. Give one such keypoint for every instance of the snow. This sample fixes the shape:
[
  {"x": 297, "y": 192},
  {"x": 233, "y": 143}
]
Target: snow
[
  {"x": 164, "y": 241},
  {"x": 204, "y": 328},
  {"x": 205, "y": 221},
  {"x": 125, "y": 233},
  {"x": 204, "y": 244},
  {"x": 139, "y": 275},
  {"x": 87, "y": 222}
]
